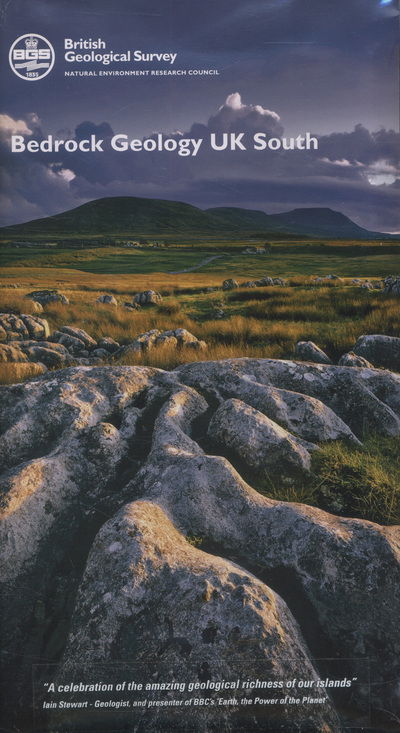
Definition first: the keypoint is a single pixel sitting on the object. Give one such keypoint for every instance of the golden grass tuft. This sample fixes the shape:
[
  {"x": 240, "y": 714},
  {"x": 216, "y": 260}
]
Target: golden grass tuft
[{"x": 20, "y": 372}]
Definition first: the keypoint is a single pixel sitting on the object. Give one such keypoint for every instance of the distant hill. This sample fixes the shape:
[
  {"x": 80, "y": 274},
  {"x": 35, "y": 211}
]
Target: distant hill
[
  {"x": 312, "y": 222},
  {"x": 134, "y": 217}
]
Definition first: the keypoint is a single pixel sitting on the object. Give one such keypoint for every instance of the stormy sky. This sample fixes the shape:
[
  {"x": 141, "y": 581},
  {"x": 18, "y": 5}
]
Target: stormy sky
[{"x": 285, "y": 67}]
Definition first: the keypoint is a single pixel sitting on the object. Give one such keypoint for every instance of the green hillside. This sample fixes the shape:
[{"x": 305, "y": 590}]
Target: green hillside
[{"x": 134, "y": 217}]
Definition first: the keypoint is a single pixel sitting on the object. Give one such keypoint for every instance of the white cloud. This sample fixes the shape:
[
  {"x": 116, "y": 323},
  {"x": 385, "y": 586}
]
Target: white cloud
[
  {"x": 234, "y": 102},
  {"x": 343, "y": 163},
  {"x": 9, "y": 126}
]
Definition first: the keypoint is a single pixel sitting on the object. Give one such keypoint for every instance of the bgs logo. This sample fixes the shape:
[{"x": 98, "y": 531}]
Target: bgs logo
[{"x": 31, "y": 57}]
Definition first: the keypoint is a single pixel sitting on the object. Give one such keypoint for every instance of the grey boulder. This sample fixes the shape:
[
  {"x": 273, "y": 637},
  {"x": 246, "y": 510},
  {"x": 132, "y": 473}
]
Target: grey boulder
[
  {"x": 308, "y": 351},
  {"x": 381, "y": 351},
  {"x": 260, "y": 443},
  {"x": 44, "y": 297}
]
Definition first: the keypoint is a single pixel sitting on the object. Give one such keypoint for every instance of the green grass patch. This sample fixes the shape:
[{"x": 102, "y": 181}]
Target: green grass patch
[
  {"x": 349, "y": 481},
  {"x": 284, "y": 260}
]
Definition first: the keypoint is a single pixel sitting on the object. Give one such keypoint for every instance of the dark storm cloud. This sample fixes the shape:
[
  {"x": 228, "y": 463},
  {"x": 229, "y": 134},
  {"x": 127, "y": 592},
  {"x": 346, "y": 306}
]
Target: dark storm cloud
[
  {"x": 344, "y": 173},
  {"x": 309, "y": 58},
  {"x": 246, "y": 23},
  {"x": 324, "y": 66}
]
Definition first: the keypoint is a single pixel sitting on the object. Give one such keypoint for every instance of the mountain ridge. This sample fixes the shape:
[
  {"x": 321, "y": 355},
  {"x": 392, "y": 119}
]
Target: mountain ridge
[{"x": 133, "y": 216}]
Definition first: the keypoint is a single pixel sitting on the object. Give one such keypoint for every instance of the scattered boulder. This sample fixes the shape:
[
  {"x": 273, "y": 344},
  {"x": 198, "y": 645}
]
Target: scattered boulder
[
  {"x": 308, "y": 351},
  {"x": 109, "y": 344},
  {"x": 381, "y": 351},
  {"x": 352, "y": 360},
  {"x": 166, "y": 339},
  {"x": 12, "y": 354},
  {"x": 248, "y": 284},
  {"x": 131, "y": 306},
  {"x": 80, "y": 334},
  {"x": 218, "y": 313},
  {"x": 230, "y": 284},
  {"x": 264, "y": 281},
  {"x": 185, "y": 338},
  {"x": 47, "y": 355},
  {"x": 279, "y": 281},
  {"x": 47, "y": 296},
  {"x": 53, "y": 356},
  {"x": 392, "y": 285},
  {"x": 260, "y": 443},
  {"x": 74, "y": 345},
  {"x": 23, "y": 326},
  {"x": 14, "y": 326},
  {"x": 100, "y": 354},
  {"x": 178, "y": 338},
  {"x": 147, "y": 297},
  {"x": 107, "y": 300}
]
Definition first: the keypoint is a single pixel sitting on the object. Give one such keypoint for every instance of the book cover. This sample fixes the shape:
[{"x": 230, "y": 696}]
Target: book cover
[{"x": 199, "y": 366}]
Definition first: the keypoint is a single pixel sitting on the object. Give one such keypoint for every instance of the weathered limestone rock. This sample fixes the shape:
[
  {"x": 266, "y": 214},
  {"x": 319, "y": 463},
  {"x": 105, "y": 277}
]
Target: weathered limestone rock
[
  {"x": 147, "y": 297},
  {"x": 133, "y": 307},
  {"x": 78, "y": 444},
  {"x": 392, "y": 285},
  {"x": 230, "y": 284},
  {"x": 218, "y": 313},
  {"x": 14, "y": 325},
  {"x": 47, "y": 296},
  {"x": 23, "y": 326},
  {"x": 308, "y": 351},
  {"x": 264, "y": 281},
  {"x": 12, "y": 353},
  {"x": 299, "y": 413},
  {"x": 259, "y": 442},
  {"x": 365, "y": 399},
  {"x": 107, "y": 300},
  {"x": 139, "y": 563},
  {"x": 352, "y": 360},
  {"x": 178, "y": 338},
  {"x": 62, "y": 461},
  {"x": 381, "y": 351},
  {"x": 45, "y": 353},
  {"x": 79, "y": 333},
  {"x": 100, "y": 354},
  {"x": 336, "y": 561},
  {"x": 74, "y": 345},
  {"x": 51, "y": 354},
  {"x": 108, "y": 343}
]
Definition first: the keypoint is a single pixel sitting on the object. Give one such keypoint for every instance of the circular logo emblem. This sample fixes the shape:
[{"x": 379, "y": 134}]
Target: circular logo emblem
[{"x": 31, "y": 57}]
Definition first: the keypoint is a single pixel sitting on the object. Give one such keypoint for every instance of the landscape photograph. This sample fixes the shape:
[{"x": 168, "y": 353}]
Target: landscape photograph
[{"x": 200, "y": 371}]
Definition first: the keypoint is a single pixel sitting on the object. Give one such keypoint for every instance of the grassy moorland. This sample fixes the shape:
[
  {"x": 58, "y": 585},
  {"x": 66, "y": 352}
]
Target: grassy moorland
[
  {"x": 256, "y": 322},
  {"x": 263, "y": 322},
  {"x": 353, "y": 259}
]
